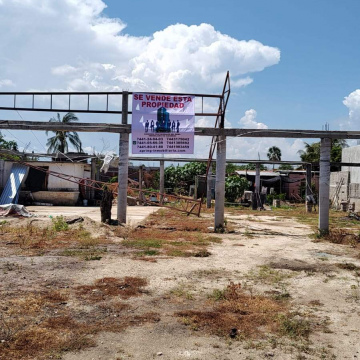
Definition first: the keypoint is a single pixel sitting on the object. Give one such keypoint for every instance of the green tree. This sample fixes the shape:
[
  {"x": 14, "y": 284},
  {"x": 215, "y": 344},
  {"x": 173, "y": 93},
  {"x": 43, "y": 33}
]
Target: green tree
[
  {"x": 274, "y": 154},
  {"x": 235, "y": 187},
  {"x": 251, "y": 167},
  {"x": 8, "y": 145},
  {"x": 286, "y": 167},
  {"x": 59, "y": 142},
  {"x": 231, "y": 168},
  {"x": 311, "y": 153},
  {"x": 180, "y": 177}
]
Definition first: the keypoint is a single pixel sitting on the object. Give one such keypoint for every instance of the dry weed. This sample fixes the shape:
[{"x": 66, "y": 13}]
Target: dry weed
[
  {"x": 236, "y": 314},
  {"x": 111, "y": 287},
  {"x": 45, "y": 324}
]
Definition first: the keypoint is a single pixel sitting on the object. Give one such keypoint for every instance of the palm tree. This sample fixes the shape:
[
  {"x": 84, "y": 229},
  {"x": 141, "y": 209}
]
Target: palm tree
[
  {"x": 59, "y": 142},
  {"x": 311, "y": 153},
  {"x": 274, "y": 154}
]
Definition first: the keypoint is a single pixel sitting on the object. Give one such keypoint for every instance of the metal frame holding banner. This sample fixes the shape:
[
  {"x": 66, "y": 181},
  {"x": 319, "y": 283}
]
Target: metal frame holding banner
[{"x": 163, "y": 124}]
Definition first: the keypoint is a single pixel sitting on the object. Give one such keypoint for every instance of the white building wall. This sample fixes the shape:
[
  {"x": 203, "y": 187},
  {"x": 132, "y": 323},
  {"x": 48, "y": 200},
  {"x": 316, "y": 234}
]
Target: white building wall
[
  {"x": 352, "y": 154},
  {"x": 337, "y": 178},
  {"x": 74, "y": 169}
]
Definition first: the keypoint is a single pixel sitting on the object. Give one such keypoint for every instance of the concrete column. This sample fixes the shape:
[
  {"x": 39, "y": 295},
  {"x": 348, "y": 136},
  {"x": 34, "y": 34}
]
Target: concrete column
[
  {"x": 324, "y": 185},
  {"x": 162, "y": 181},
  {"x": 93, "y": 176},
  {"x": 123, "y": 164},
  {"x": 308, "y": 191},
  {"x": 140, "y": 184},
  {"x": 220, "y": 182},
  {"x": 208, "y": 187},
  {"x": 257, "y": 186},
  {"x": 257, "y": 178}
]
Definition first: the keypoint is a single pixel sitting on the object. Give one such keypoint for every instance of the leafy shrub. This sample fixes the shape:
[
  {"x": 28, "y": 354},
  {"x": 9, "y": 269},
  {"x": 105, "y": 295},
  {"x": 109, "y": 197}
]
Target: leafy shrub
[
  {"x": 59, "y": 224},
  {"x": 235, "y": 187}
]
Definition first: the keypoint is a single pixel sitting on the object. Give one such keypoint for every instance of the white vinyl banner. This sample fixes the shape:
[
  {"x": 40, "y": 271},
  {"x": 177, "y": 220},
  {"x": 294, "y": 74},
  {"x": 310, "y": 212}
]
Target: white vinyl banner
[{"x": 163, "y": 124}]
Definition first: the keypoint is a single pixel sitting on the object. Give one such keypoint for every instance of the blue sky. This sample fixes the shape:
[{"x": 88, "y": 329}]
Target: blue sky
[
  {"x": 318, "y": 40},
  {"x": 303, "y": 64}
]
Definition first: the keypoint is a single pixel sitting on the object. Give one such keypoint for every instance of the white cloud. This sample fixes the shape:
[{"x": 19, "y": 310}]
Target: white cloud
[
  {"x": 196, "y": 57},
  {"x": 71, "y": 45},
  {"x": 6, "y": 82},
  {"x": 352, "y": 102},
  {"x": 252, "y": 148},
  {"x": 248, "y": 121}
]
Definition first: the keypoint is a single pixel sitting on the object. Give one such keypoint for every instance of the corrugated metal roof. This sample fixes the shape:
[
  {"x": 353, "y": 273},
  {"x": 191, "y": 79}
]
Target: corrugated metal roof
[{"x": 10, "y": 194}]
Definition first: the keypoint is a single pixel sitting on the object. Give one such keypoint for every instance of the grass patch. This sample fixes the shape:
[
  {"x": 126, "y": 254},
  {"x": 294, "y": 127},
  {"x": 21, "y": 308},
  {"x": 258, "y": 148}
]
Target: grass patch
[
  {"x": 143, "y": 243},
  {"x": 179, "y": 238},
  {"x": 348, "y": 266},
  {"x": 182, "y": 291},
  {"x": 59, "y": 223},
  {"x": 85, "y": 254},
  {"x": 266, "y": 275},
  {"x": 294, "y": 326},
  {"x": 33, "y": 240}
]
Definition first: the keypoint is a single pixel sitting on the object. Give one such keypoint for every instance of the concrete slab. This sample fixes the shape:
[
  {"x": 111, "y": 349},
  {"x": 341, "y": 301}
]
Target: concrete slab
[{"x": 135, "y": 214}]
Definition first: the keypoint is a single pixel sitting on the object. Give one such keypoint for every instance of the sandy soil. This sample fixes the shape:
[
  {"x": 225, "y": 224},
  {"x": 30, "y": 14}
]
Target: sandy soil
[
  {"x": 316, "y": 284},
  {"x": 134, "y": 214}
]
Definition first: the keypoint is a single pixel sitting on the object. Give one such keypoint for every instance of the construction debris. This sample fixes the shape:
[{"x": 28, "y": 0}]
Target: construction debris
[{"x": 14, "y": 210}]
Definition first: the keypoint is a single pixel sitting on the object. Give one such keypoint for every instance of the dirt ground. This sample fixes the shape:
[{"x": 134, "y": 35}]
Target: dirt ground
[
  {"x": 134, "y": 214},
  {"x": 265, "y": 253}
]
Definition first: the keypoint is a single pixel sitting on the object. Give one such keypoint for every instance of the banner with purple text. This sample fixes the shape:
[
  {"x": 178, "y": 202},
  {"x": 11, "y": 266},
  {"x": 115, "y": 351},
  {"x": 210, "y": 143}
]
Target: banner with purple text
[{"x": 163, "y": 124}]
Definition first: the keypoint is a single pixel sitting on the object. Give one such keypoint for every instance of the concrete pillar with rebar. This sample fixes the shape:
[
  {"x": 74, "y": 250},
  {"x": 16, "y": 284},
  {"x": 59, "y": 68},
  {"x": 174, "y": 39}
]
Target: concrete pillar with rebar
[
  {"x": 220, "y": 182},
  {"x": 324, "y": 184},
  {"x": 123, "y": 163},
  {"x": 257, "y": 186}
]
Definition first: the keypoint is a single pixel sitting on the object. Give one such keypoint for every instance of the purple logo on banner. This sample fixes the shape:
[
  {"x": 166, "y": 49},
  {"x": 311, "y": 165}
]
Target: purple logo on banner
[{"x": 163, "y": 124}]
